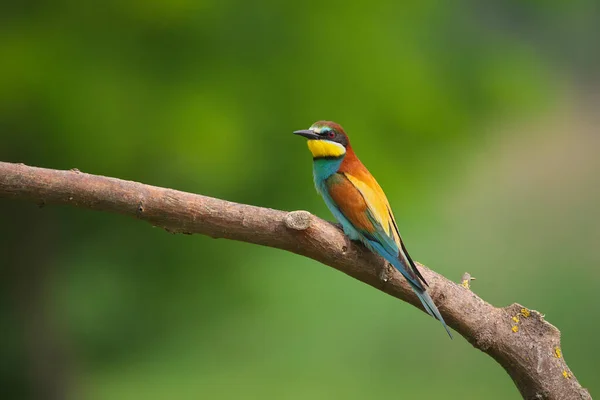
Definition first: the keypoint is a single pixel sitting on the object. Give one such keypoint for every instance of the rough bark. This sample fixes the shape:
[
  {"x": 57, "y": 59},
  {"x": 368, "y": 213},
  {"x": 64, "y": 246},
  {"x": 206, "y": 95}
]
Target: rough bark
[{"x": 519, "y": 339}]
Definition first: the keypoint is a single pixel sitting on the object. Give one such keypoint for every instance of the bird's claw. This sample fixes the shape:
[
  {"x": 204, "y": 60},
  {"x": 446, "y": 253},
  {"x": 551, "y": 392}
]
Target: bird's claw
[
  {"x": 338, "y": 225},
  {"x": 383, "y": 274}
]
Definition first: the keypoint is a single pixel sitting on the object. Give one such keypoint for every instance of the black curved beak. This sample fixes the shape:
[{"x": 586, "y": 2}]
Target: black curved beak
[{"x": 307, "y": 133}]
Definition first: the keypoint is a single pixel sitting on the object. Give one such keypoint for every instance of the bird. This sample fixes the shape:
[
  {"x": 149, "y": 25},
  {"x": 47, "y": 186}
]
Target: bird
[{"x": 359, "y": 204}]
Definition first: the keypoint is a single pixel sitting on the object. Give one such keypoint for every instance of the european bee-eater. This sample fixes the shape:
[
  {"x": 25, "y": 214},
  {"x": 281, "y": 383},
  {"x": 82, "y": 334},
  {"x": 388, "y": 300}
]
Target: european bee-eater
[{"x": 359, "y": 204}]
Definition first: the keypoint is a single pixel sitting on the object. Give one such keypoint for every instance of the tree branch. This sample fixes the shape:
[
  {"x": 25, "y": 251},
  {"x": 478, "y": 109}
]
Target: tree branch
[{"x": 519, "y": 339}]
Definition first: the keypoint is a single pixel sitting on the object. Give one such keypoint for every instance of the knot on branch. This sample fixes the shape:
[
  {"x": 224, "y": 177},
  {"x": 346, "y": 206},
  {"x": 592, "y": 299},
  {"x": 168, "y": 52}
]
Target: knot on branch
[{"x": 298, "y": 220}]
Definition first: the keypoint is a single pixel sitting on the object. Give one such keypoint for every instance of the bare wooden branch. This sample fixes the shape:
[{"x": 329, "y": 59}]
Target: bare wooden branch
[{"x": 519, "y": 339}]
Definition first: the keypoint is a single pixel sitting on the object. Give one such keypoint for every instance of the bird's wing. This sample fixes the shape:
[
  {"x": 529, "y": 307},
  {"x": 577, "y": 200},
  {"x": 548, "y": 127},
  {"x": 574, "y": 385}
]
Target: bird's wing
[
  {"x": 366, "y": 206},
  {"x": 378, "y": 207},
  {"x": 348, "y": 200}
]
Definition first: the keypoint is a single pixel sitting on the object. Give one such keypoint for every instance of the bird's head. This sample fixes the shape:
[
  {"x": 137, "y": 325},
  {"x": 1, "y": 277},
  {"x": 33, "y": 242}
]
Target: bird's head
[{"x": 326, "y": 139}]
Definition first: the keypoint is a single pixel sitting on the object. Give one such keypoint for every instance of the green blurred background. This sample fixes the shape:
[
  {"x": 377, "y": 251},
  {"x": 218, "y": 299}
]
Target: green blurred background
[{"x": 479, "y": 119}]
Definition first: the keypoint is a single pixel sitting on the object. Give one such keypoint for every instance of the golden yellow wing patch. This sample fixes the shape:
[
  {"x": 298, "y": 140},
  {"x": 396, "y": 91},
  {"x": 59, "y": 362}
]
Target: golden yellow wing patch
[
  {"x": 325, "y": 148},
  {"x": 378, "y": 205}
]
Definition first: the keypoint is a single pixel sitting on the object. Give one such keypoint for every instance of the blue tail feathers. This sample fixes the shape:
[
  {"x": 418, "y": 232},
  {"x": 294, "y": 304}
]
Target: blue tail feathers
[
  {"x": 430, "y": 306},
  {"x": 402, "y": 262}
]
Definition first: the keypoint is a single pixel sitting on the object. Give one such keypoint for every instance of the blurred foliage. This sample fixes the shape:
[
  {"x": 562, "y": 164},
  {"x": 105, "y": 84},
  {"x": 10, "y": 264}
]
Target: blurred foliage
[{"x": 203, "y": 96}]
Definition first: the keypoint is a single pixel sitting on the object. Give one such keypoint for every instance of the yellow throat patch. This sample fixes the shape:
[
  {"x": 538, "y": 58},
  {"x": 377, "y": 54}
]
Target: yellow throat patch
[{"x": 325, "y": 148}]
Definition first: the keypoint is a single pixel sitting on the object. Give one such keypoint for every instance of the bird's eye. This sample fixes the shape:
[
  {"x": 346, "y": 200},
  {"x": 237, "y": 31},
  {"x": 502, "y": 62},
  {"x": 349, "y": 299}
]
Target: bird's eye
[{"x": 331, "y": 134}]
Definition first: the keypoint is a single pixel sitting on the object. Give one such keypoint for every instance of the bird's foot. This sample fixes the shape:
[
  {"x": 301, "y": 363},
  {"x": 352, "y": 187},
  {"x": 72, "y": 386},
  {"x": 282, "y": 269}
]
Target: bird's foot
[
  {"x": 338, "y": 225},
  {"x": 383, "y": 273}
]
